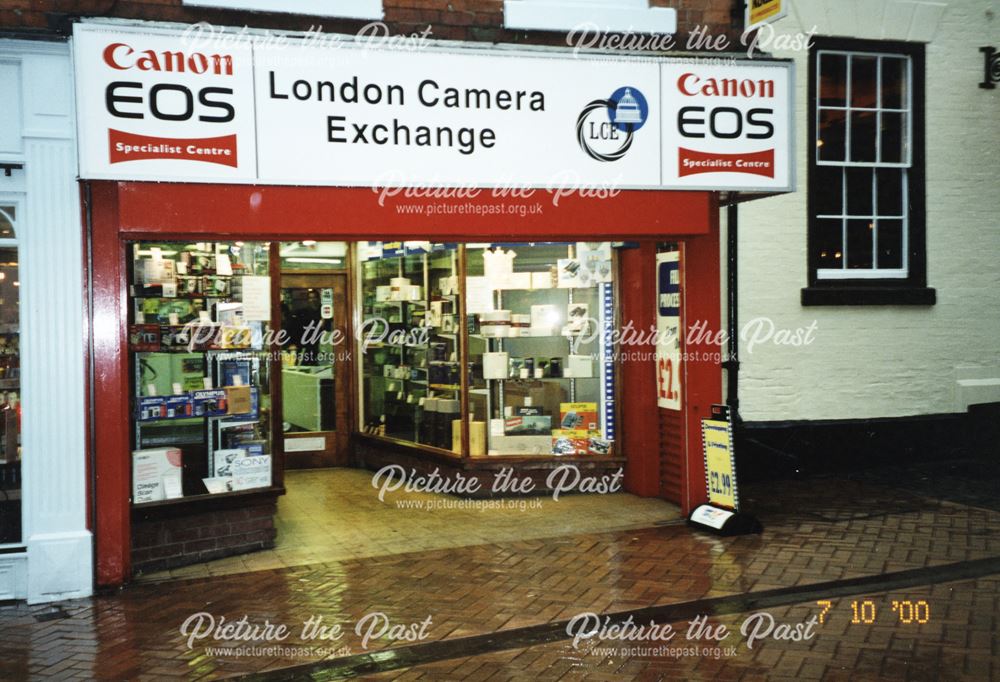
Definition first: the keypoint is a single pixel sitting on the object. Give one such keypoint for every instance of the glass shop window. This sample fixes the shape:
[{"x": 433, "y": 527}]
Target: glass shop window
[
  {"x": 542, "y": 382},
  {"x": 410, "y": 336},
  {"x": 10, "y": 381},
  {"x": 529, "y": 362},
  {"x": 199, "y": 335}
]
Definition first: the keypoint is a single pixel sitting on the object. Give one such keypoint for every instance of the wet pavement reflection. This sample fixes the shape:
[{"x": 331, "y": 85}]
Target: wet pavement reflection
[{"x": 816, "y": 531}]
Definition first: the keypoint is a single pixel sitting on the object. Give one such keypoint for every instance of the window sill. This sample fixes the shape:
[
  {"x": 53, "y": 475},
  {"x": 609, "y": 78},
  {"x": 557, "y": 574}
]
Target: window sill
[
  {"x": 868, "y": 295},
  {"x": 197, "y": 504},
  {"x": 567, "y": 15}
]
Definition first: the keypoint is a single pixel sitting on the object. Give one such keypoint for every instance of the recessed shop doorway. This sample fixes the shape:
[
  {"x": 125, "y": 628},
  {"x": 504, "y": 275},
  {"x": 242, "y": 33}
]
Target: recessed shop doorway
[{"x": 316, "y": 354}]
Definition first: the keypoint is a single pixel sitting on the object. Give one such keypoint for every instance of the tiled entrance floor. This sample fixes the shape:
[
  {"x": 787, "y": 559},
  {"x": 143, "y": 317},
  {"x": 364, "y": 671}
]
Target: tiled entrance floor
[{"x": 335, "y": 514}]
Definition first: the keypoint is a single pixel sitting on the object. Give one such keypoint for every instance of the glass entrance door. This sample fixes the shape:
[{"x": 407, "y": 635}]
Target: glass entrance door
[{"x": 316, "y": 358}]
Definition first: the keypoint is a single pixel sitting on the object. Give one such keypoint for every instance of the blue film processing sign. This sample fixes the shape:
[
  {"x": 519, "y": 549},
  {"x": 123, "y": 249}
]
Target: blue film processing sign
[
  {"x": 669, "y": 289},
  {"x": 669, "y": 390}
]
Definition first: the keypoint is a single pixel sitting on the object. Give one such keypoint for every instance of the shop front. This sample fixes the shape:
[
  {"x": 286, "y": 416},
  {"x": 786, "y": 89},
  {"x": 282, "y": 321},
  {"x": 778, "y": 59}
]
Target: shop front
[{"x": 451, "y": 272}]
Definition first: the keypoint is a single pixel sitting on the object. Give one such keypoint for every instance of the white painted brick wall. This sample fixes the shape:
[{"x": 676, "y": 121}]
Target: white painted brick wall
[{"x": 889, "y": 361}]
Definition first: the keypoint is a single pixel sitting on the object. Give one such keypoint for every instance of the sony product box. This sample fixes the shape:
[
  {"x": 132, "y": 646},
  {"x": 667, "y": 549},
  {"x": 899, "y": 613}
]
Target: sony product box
[
  {"x": 222, "y": 461},
  {"x": 156, "y": 475},
  {"x": 535, "y": 425},
  {"x": 251, "y": 472},
  {"x": 546, "y": 395},
  {"x": 579, "y": 417}
]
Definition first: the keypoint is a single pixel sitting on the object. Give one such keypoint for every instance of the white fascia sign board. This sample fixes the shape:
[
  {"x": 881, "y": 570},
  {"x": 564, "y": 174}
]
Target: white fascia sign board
[{"x": 152, "y": 106}]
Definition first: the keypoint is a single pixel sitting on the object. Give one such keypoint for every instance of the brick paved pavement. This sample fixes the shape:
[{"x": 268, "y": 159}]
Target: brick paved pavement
[
  {"x": 956, "y": 643},
  {"x": 816, "y": 531}
]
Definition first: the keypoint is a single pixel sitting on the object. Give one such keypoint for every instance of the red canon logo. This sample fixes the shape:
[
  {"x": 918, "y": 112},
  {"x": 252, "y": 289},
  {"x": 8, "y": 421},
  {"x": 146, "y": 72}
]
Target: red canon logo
[
  {"x": 690, "y": 84},
  {"x": 122, "y": 57}
]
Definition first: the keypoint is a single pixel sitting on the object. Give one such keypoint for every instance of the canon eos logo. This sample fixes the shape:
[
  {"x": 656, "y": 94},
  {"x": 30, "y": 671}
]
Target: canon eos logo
[
  {"x": 164, "y": 100},
  {"x": 725, "y": 122}
]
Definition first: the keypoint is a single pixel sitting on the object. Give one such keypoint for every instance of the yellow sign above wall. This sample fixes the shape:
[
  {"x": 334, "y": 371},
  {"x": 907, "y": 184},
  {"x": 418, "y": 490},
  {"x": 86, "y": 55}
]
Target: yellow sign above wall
[{"x": 764, "y": 11}]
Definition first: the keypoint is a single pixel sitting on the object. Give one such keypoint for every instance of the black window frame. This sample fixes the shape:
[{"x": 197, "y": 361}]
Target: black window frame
[{"x": 913, "y": 289}]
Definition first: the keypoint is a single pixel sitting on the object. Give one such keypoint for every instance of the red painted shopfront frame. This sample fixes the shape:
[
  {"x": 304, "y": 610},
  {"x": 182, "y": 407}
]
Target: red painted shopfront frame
[{"x": 127, "y": 211}]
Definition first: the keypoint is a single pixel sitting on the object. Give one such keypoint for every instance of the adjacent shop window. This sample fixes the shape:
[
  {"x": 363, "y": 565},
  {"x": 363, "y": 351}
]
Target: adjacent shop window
[
  {"x": 199, "y": 342},
  {"x": 346, "y": 9},
  {"x": 10, "y": 381},
  {"x": 866, "y": 166},
  {"x": 538, "y": 378}
]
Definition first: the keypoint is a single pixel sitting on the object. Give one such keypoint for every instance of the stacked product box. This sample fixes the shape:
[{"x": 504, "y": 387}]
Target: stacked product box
[{"x": 579, "y": 432}]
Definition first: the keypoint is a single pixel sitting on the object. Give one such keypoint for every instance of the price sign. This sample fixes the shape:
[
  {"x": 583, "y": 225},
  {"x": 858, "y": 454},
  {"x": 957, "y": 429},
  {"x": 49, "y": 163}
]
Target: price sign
[
  {"x": 326, "y": 304},
  {"x": 720, "y": 462},
  {"x": 668, "y": 327}
]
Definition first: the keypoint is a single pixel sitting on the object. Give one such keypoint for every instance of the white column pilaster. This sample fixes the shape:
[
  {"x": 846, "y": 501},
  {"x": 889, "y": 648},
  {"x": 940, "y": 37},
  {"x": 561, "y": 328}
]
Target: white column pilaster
[{"x": 50, "y": 241}]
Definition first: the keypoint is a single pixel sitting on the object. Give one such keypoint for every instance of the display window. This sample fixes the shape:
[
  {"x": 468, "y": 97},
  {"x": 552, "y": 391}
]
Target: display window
[
  {"x": 10, "y": 381},
  {"x": 470, "y": 350},
  {"x": 542, "y": 382},
  {"x": 528, "y": 322},
  {"x": 410, "y": 341},
  {"x": 200, "y": 347}
]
